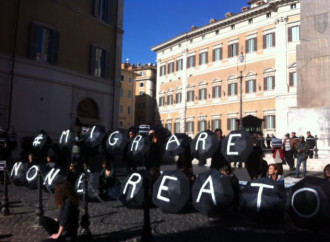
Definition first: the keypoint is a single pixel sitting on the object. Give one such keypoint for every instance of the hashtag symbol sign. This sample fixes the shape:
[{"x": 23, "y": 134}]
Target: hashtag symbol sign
[{"x": 37, "y": 140}]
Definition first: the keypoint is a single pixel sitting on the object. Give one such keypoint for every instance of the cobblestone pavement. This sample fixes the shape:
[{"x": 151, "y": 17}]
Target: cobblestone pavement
[{"x": 111, "y": 221}]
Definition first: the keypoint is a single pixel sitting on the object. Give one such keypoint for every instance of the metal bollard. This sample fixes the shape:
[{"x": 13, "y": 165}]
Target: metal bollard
[
  {"x": 39, "y": 210},
  {"x": 146, "y": 231},
  {"x": 85, "y": 231},
  {"x": 5, "y": 208}
]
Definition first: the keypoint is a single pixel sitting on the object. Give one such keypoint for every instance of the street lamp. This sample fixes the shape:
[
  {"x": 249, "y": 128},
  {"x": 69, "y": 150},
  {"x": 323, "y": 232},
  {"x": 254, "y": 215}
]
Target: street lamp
[{"x": 240, "y": 60}]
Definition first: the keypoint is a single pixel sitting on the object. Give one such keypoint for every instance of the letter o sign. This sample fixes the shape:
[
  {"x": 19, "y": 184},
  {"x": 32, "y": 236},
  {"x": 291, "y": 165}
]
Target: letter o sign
[{"x": 317, "y": 208}]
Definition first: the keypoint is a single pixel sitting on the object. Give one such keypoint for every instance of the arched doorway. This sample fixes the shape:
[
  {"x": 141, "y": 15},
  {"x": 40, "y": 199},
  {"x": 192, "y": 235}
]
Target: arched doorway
[{"x": 87, "y": 113}]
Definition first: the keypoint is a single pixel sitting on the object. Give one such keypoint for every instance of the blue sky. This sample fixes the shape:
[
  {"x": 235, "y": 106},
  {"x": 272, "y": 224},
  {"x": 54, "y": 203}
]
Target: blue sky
[{"x": 150, "y": 22}]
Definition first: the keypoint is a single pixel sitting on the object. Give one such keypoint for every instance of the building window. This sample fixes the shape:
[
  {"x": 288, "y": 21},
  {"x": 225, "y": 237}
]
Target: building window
[
  {"x": 251, "y": 45},
  {"x": 232, "y": 89},
  {"x": 128, "y": 110},
  {"x": 162, "y": 70},
  {"x": 178, "y": 97},
  {"x": 293, "y": 79},
  {"x": 293, "y": 6},
  {"x": 129, "y": 94},
  {"x": 130, "y": 79},
  {"x": 216, "y": 92},
  {"x": 201, "y": 125},
  {"x": 179, "y": 65},
  {"x": 141, "y": 84},
  {"x": 217, "y": 54},
  {"x": 269, "y": 122},
  {"x": 250, "y": 21},
  {"x": 190, "y": 96},
  {"x": 269, "y": 40},
  {"x": 268, "y": 15},
  {"x": 216, "y": 124},
  {"x": 169, "y": 126},
  {"x": 203, "y": 58},
  {"x": 100, "y": 62},
  {"x": 232, "y": 50},
  {"x": 177, "y": 127},
  {"x": 191, "y": 61},
  {"x": 294, "y": 33},
  {"x": 170, "y": 68},
  {"x": 121, "y": 92},
  {"x": 269, "y": 83},
  {"x": 161, "y": 101},
  {"x": 232, "y": 26},
  {"x": 44, "y": 44},
  {"x": 232, "y": 124},
  {"x": 250, "y": 86},
  {"x": 170, "y": 99},
  {"x": 190, "y": 127},
  {"x": 122, "y": 78},
  {"x": 142, "y": 73},
  {"x": 103, "y": 10},
  {"x": 202, "y": 94}
]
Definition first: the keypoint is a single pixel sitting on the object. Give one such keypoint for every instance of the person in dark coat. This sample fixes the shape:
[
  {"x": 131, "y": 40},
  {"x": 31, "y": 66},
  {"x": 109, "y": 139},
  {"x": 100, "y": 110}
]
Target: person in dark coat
[
  {"x": 65, "y": 226},
  {"x": 218, "y": 160}
]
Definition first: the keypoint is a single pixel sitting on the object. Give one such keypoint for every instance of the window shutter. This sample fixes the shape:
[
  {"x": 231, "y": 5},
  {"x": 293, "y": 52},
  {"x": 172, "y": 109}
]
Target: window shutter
[
  {"x": 200, "y": 59},
  {"x": 228, "y": 124},
  {"x": 235, "y": 88},
  {"x": 237, "y": 49},
  {"x": 274, "y": 119},
  {"x": 107, "y": 65},
  {"x": 273, "y": 36},
  {"x": 55, "y": 42},
  {"x": 265, "y": 83},
  {"x": 247, "y": 50},
  {"x": 213, "y": 55},
  {"x": 255, "y": 44},
  {"x": 254, "y": 85},
  {"x": 200, "y": 94},
  {"x": 264, "y": 41},
  {"x": 290, "y": 34},
  {"x": 194, "y": 60},
  {"x": 229, "y": 94},
  {"x": 246, "y": 86},
  {"x": 213, "y": 92},
  {"x": 188, "y": 65},
  {"x": 273, "y": 82},
  {"x": 92, "y": 60},
  {"x": 220, "y": 53},
  {"x": 230, "y": 51},
  {"x": 206, "y": 57},
  {"x": 291, "y": 79},
  {"x": 33, "y": 41}
]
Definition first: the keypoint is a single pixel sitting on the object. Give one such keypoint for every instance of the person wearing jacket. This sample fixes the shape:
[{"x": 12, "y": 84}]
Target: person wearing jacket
[
  {"x": 288, "y": 146},
  {"x": 302, "y": 155}
]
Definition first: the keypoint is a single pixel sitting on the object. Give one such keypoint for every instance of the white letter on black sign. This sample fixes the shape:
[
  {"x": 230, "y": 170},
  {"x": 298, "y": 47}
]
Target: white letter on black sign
[
  {"x": 78, "y": 189},
  {"x": 50, "y": 176},
  {"x": 261, "y": 188},
  {"x": 165, "y": 188},
  {"x": 201, "y": 137},
  {"x": 114, "y": 139},
  {"x": 231, "y": 144},
  {"x": 211, "y": 190},
  {"x": 66, "y": 134},
  {"x": 16, "y": 167},
  {"x": 29, "y": 171},
  {"x": 317, "y": 209},
  {"x": 133, "y": 183},
  {"x": 136, "y": 142},
  {"x": 172, "y": 139}
]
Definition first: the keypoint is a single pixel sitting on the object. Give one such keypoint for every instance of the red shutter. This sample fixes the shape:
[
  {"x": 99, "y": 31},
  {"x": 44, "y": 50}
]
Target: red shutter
[
  {"x": 188, "y": 62},
  {"x": 247, "y": 87},
  {"x": 229, "y": 51},
  {"x": 228, "y": 93},
  {"x": 206, "y": 57},
  {"x": 213, "y": 57},
  {"x": 200, "y": 59},
  {"x": 235, "y": 88},
  {"x": 200, "y": 94},
  {"x": 274, "y": 121},
  {"x": 254, "y": 85},
  {"x": 219, "y": 91},
  {"x": 273, "y": 35},
  {"x": 255, "y": 44},
  {"x": 220, "y": 53},
  {"x": 237, "y": 49},
  {"x": 228, "y": 124},
  {"x": 194, "y": 60},
  {"x": 213, "y": 91},
  {"x": 273, "y": 82},
  {"x": 247, "y": 50},
  {"x": 265, "y": 83}
]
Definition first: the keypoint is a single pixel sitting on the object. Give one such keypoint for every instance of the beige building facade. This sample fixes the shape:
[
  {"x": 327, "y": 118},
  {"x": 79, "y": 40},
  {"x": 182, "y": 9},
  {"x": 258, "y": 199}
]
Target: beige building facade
[
  {"x": 59, "y": 65},
  {"x": 198, "y": 72}
]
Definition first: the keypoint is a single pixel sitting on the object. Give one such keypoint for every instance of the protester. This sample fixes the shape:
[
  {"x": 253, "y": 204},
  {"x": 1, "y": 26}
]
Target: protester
[
  {"x": 275, "y": 173},
  {"x": 130, "y": 164},
  {"x": 296, "y": 139},
  {"x": 65, "y": 226},
  {"x": 311, "y": 142},
  {"x": 302, "y": 155},
  {"x": 277, "y": 151},
  {"x": 268, "y": 139},
  {"x": 255, "y": 160},
  {"x": 31, "y": 160},
  {"x": 227, "y": 171},
  {"x": 288, "y": 147},
  {"x": 107, "y": 179},
  {"x": 184, "y": 164},
  {"x": 218, "y": 160},
  {"x": 154, "y": 156},
  {"x": 326, "y": 172},
  {"x": 73, "y": 173}
]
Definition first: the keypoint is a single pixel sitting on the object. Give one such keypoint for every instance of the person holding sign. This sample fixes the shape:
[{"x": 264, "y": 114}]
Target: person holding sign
[{"x": 65, "y": 226}]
